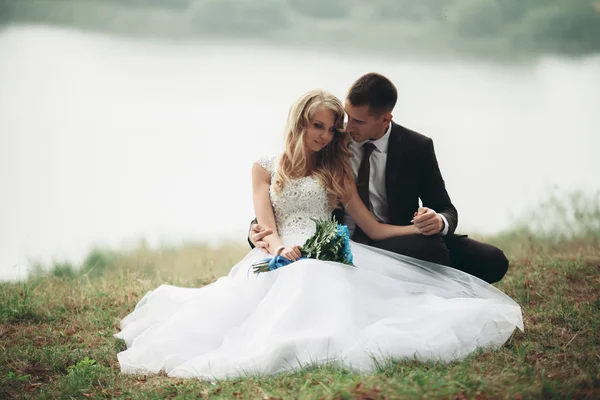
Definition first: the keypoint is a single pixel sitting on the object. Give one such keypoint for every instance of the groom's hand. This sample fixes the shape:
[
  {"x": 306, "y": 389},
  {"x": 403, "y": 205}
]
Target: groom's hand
[
  {"x": 428, "y": 222},
  {"x": 257, "y": 234}
]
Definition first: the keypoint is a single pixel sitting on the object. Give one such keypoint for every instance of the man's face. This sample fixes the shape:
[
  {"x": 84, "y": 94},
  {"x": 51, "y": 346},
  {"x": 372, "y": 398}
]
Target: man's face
[{"x": 362, "y": 125}]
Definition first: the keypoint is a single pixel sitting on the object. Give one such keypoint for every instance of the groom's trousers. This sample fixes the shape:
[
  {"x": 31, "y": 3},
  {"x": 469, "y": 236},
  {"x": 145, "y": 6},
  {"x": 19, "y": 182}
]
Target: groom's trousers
[{"x": 457, "y": 251}]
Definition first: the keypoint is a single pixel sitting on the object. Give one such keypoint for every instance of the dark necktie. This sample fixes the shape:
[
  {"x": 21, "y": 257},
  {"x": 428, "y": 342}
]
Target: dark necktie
[{"x": 362, "y": 185}]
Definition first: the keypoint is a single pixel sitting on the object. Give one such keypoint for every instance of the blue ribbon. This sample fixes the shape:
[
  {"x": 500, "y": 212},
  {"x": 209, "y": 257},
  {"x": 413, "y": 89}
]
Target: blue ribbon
[{"x": 278, "y": 262}]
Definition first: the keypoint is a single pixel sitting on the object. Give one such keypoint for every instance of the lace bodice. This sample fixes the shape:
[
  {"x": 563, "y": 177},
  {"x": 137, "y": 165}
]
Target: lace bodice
[{"x": 299, "y": 201}]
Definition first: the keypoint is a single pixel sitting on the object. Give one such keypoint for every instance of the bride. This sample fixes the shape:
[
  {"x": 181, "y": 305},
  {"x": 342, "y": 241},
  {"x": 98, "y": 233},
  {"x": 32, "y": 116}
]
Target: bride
[{"x": 313, "y": 312}]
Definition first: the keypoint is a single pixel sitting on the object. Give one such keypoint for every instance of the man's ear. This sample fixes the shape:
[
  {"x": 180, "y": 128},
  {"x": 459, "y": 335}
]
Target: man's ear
[{"x": 387, "y": 117}]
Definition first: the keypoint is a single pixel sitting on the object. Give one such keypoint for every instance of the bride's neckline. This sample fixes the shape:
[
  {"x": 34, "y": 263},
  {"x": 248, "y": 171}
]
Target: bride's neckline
[
  {"x": 304, "y": 177},
  {"x": 277, "y": 159}
]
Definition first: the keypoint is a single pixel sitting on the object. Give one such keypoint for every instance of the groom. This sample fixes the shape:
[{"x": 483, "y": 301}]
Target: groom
[{"x": 394, "y": 168}]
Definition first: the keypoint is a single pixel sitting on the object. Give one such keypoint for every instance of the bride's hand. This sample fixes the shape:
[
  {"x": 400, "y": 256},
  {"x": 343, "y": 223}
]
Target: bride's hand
[{"x": 292, "y": 253}]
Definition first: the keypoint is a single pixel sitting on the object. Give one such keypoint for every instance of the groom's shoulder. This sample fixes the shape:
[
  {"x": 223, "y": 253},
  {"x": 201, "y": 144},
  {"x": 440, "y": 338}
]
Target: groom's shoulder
[{"x": 408, "y": 135}]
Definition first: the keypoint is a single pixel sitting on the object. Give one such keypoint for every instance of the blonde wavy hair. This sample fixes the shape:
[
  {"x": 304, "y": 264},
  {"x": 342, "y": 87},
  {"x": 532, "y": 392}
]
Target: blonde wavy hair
[{"x": 331, "y": 165}]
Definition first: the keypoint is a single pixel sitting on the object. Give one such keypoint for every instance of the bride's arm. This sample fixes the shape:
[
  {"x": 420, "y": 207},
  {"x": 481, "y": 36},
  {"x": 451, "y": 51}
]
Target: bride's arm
[
  {"x": 261, "y": 180},
  {"x": 374, "y": 229}
]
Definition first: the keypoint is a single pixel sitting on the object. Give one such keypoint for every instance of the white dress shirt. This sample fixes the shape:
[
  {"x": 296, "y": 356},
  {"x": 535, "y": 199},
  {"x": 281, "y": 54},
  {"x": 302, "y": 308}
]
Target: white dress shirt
[{"x": 377, "y": 190}]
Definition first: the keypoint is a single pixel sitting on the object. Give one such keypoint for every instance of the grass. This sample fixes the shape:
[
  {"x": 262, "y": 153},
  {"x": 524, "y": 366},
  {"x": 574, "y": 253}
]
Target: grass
[{"x": 56, "y": 332}]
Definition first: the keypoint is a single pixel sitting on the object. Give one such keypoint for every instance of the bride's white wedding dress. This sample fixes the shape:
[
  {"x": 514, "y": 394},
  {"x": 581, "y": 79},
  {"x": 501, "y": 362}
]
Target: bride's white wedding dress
[{"x": 308, "y": 312}]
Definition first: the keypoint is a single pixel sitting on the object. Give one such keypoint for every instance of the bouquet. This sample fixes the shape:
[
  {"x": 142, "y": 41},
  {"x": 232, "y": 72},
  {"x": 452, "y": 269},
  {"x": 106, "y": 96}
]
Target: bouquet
[{"x": 330, "y": 242}]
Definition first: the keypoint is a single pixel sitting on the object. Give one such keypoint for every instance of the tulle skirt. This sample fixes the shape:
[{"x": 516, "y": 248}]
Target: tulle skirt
[{"x": 312, "y": 312}]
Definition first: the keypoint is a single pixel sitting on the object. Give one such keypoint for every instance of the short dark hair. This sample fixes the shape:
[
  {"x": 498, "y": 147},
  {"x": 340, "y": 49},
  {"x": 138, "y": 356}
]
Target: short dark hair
[{"x": 375, "y": 91}]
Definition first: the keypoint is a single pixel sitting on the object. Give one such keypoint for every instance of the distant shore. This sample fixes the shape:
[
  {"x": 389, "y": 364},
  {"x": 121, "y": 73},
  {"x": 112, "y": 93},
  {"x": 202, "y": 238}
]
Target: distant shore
[{"x": 502, "y": 32}]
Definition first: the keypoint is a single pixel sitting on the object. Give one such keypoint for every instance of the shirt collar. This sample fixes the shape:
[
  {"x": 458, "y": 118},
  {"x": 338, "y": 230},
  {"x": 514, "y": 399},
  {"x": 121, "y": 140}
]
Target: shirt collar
[{"x": 381, "y": 144}]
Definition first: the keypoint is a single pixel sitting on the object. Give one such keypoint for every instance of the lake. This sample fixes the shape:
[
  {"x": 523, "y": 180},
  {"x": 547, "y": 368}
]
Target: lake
[{"x": 105, "y": 141}]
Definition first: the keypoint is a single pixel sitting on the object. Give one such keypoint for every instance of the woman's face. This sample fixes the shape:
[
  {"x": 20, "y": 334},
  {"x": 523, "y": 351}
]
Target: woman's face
[{"x": 320, "y": 130}]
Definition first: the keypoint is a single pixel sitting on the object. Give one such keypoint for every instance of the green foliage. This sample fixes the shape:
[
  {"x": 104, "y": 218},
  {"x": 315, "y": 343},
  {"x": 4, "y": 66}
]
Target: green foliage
[
  {"x": 63, "y": 270},
  {"x": 82, "y": 366},
  {"x": 481, "y": 27},
  {"x": 12, "y": 376},
  {"x": 17, "y": 304},
  {"x": 326, "y": 244},
  {"x": 86, "y": 373},
  {"x": 237, "y": 18},
  {"x": 318, "y": 9},
  {"x": 97, "y": 262}
]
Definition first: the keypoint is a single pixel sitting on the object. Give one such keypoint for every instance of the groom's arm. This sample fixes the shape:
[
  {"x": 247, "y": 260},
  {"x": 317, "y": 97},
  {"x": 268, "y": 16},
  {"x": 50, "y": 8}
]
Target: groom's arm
[
  {"x": 256, "y": 235},
  {"x": 250, "y": 231},
  {"x": 433, "y": 191}
]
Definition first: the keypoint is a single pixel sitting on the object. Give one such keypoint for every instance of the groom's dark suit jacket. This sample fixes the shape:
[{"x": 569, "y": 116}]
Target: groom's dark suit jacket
[{"x": 412, "y": 172}]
